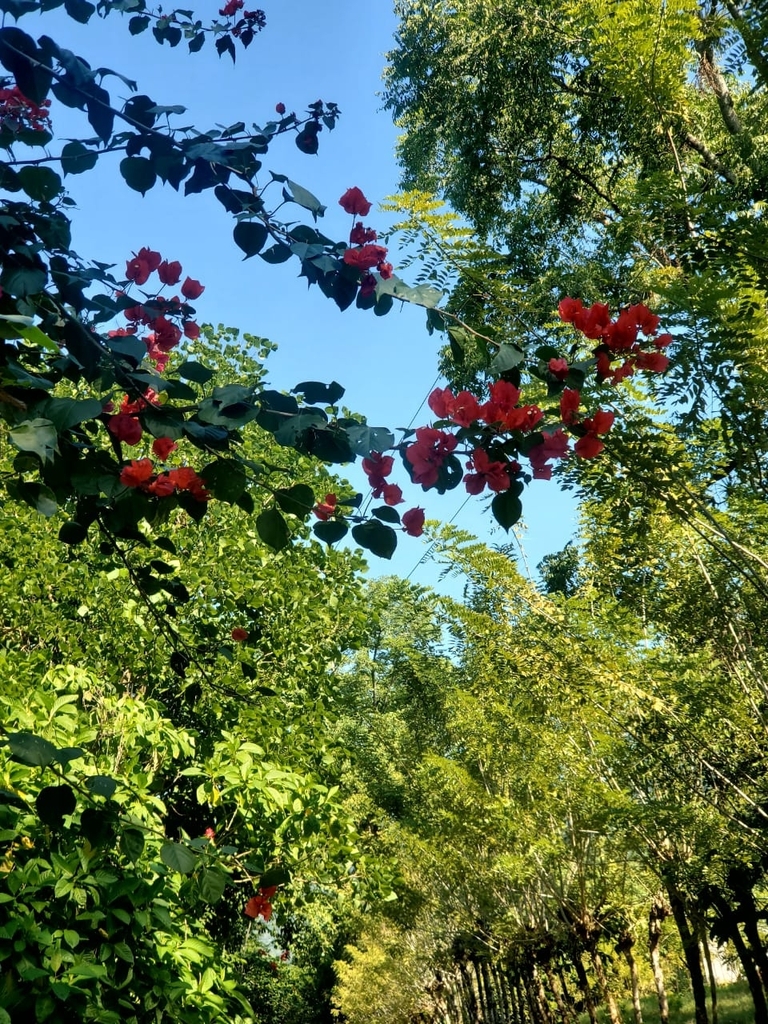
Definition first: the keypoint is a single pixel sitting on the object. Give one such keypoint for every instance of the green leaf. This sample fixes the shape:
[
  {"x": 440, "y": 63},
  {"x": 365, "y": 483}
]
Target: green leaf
[
  {"x": 377, "y": 538},
  {"x": 316, "y": 393},
  {"x": 138, "y": 172},
  {"x": 277, "y": 875},
  {"x": 273, "y": 529},
  {"x": 507, "y": 508},
  {"x": 178, "y": 857},
  {"x": 422, "y": 295},
  {"x": 250, "y": 237},
  {"x": 225, "y": 478},
  {"x": 306, "y": 199},
  {"x": 277, "y": 253},
  {"x": 132, "y": 843},
  {"x": 79, "y": 10},
  {"x": 196, "y": 44},
  {"x": 28, "y": 64},
  {"x": 40, "y": 183},
  {"x": 72, "y": 532},
  {"x": 38, "y": 436},
  {"x": 66, "y": 754},
  {"x": 386, "y": 513},
  {"x": 101, "y": 785},
  {"x": 212, "y": 885},
  {"x": 123, "y": 952},
  {"x": 138, "y": 24},
  {"x": 298, "y": 500},
  {"x": 31, "y": 749},
  {"x": 507, "y": 358},
  {"x": 53, "y": 803},
  {"x": 195, "y": 371},
  {"x": 39, "y": 497},
  {"x": 331, "y": 531},
  {"x": 364, "y": 439}
]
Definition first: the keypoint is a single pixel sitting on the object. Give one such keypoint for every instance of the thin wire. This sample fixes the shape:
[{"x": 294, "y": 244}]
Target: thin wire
[{"x": 427, "y": 553}]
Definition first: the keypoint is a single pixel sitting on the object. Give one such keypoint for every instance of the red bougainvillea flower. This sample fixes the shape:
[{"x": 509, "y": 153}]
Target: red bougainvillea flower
[
  {"x": 663, "y": 340},
  {"x": 524, "y": 419},
  {"x": 325, "y": 509},
  {"x": 377, "y": 464},
  {"x": 655, "y": 361},
  {"x": 209, "y": 833},
  {"x": 186, "y": 479},
  {"x": 162, "y": 486},
  {"x": 569, "y": 308},
  {"x": 570, "y": 400},
  {"x": 592, "y": 322},
  {"x": 465, "y": 409},
  {"x": 368, "y": 286},
  {"x": 441, "y": 403},
  {"x": 239, "y": 634},
  {"x": 231, "y": 7},
  {"x": 392, "y": 494},
  {"x": 647, "y": 321},
  {"x": 413, "y": 522},
  {"x": 366, "y": 257},
  {"x": 558, "y": 368},
  {"x": 192, "y": 289},
  {"x": 258, "y": 906},
  {"x": 353, "y": 201},
  {"x": 125, "y": 428},
  {"x": 553, "y": 446},
  {"x": 360, "y": 235},
  {"x": 150, "y": 257},
  {"x": 386, "y": 270},
  {"x": 137, "y": 270},
  {"x": 503, "y": 399},
  {"x": 167, "y": 334},
  {"x": 280, "y": 109},
  {"x": 162, "y": 447},
  {"x": 136, "y": 472},
  {"x": 191, "y": 329},
  {"x": 169, "y": 273},
  {"x": 428, "y": 454},
  {"x": 494, "y": 474},
  {"x": 588, "y": 446}
]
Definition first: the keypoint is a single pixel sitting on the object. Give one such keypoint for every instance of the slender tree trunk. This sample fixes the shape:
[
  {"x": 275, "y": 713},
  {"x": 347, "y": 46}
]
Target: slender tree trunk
[
  {"x": 624, "y": 945},
  {"x": 586, "y": 990},
  {"x": 701, "y": 929},
  {"x": 541, "y": 996},
  {"x": 659, "y": 911},
  {"x": 749, "y": 915},
  {"x": 564, "y": 985},
  {"x": 730, "y": 924},
  {"x": 566, "y": 1014},
  {"x": 690, "y": 951},
  {"x": 610, "y": 1002},
  {"x": 470, "y": 1000}
]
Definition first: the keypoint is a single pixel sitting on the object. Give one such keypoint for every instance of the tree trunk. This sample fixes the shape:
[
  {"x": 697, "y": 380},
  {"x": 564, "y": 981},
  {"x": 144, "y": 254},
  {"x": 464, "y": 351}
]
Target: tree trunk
[
  {"x": 701, "y": 928},
  {"x": 659, "y": 911},
  {"x": 749, "y": 915},
  {"x": 583, "y": 980},
  {"x": 610, "y": 1002},
  {"x": 624, "y": 945},
  {"x": 566, "y": 1014},
  {"x": 541, "y": 996},
  {"x": 690, "y": 950},
  {"x": 731, "y": 928}
]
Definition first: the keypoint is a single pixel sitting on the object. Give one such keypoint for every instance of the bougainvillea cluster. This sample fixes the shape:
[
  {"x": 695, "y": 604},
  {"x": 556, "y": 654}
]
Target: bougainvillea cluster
[
  {"x": 18, "y": 113},
  {"x": 166, "y": 319},
  {"x": 261, "y": 904},
  {"x": 363, "y": 253},
  {"x": 141, "y": 473}
]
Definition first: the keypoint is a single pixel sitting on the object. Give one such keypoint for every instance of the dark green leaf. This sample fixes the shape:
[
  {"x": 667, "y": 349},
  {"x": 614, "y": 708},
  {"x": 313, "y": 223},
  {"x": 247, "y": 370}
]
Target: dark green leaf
[
  {"x": 331, "y": 531},
  {"x": 195, "y": 371},
  {"x": 138, "y": 173},
  {"x": 278, "y": 253},
  {"x": 132, "y": 843},
  {"x": 319, "y": 394},
  {"x": 277, "y": 875},
  {"x": 197, "y": 43},
  {"x": 72, "y": 532},
  {"x": 273, "y": 529},
  {"x": 250, "y": 237},
  {"x": 377, "y": 538},
  {"x": 97, "y": 825},
  {"x": 138, "y": 24},
  {"x": 40, "y": 183},
  {"x": 178, "y": 857},
  {"x": 507, "y": 508},
  {"x": 31, "y": 749},
  {"x": 76, "y": 159},
  {"x": 79, "y": 10},
  {"x": 298, "y": 500},
  {"x": 306, "y": 199},
  {"x": 212, "y": 885},
  {"x": 306, "y": 140},
  {"x": 224, "y": 45},
  {"x": 508, "y": 357},
  {"x": 53, "y": 803},
  {"x": 386, "y": 513},
  {"x": 28, "y": 64},
  {"x": 101, "y": 116},
  {"x": 225, "y": 479},
  {"x": 101, "y": 785}
]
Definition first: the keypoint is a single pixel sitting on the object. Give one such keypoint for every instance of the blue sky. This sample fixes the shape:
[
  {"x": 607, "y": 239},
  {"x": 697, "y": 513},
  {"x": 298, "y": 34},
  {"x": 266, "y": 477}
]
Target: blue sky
[{"x": 333, "y": 52}]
